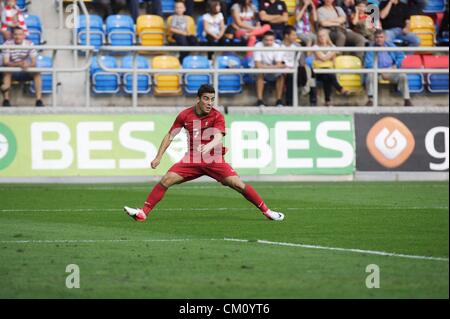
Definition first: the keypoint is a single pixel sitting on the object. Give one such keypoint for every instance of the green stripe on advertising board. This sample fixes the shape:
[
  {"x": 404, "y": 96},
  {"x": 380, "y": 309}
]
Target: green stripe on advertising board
[{"x": 124, "y": 145}]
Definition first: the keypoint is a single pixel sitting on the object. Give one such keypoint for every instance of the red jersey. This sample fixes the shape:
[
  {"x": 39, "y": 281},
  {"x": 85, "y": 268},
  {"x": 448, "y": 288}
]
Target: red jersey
[{"x": 201, "y": 130}]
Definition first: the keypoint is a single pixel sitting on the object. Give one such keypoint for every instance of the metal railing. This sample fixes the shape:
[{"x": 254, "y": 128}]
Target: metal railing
[{"x": 215, "y": 71}]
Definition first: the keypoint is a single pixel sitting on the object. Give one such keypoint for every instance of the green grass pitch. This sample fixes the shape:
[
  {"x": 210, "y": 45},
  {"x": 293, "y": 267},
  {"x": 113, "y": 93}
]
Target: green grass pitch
[{"x": 180, "y": 252}]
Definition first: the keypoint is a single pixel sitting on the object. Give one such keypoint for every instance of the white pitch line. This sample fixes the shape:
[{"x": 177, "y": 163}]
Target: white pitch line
[
  {"x": 94, "y": 241},
  {"x": 56, "y": 210},
  {"x": 353, "y": 250}
]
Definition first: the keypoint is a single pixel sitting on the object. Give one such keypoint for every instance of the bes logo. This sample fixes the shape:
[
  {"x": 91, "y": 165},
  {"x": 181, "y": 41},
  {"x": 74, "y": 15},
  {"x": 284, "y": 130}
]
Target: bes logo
[
  {"x": 390, "y": 142},
  {"x": 8, "y": 146}
]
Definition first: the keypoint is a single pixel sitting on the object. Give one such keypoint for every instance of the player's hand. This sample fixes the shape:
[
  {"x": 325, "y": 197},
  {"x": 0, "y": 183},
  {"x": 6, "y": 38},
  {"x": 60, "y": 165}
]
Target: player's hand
[{"x": 155, "y": 163}]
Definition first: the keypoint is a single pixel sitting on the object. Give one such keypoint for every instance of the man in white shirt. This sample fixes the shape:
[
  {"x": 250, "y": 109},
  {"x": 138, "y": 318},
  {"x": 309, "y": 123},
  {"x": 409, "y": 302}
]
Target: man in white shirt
[{"x": 269, "y": 60}]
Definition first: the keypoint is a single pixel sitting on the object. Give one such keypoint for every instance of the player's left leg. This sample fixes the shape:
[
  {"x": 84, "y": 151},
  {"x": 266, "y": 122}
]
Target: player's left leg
[{"x": 225, "y": 174}]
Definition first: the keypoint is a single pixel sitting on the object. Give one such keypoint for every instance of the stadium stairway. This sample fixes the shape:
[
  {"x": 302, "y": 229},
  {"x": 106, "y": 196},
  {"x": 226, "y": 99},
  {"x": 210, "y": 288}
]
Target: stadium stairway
[{"x": 72, "y": 89}]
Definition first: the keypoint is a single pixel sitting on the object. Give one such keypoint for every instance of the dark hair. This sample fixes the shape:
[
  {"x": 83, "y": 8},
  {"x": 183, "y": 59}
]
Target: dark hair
[
  {"x": 212, "y": 6},
  {"x": 357, "y": 2},
  {"x": 17, "y": 28},
  {"x": 378, "y": 32},
  {"x": 269, "y": 33},
  {"x": 204, "y": 89},
  {"x": 288, "y": 30}
]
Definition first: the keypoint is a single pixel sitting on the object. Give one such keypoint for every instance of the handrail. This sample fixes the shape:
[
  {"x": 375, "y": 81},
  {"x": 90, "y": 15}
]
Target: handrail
[{"x": 297, "y": 50}]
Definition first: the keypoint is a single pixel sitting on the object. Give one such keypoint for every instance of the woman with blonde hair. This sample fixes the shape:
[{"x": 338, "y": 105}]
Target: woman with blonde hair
[{"x": 325, "y": 59}]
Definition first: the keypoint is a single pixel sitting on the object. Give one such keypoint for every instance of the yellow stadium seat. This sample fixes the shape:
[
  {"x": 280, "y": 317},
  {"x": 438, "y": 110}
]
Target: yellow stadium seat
[
  {"x": 150, "y": 29},
  {"x": 423, "y": 27},
  {"x": 290, "y": 4},
  {"x": 166, "y": 84},
  {"x": 350, "y": 82},
  {"x": 191, "y": 28},
  {"x": 291, "y": 20}
]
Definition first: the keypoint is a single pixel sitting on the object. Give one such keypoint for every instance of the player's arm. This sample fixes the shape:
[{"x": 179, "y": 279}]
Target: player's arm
[
  {"x": 167, "y": 140},
  {"x": 206, "y": 148}
]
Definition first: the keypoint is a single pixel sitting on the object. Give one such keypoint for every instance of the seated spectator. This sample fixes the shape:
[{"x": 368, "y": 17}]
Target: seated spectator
[
  {"x": 245, "y": 23},
  {"x": 386, "y": 60},
  {"x": 305, "y": 17},
  {"x": 179, "y": 28},
  {"x": 334, "y": 19},
  {"x": 214, "y": 25},
  {"x": 12, "y": 17},
  {"x": 22, "y": 58},
  {"x": 361, "y": 21},
  {"x": 349, "y": 8},
  {"x": 269, "y": 60},
  {"x": 394, "y": 17},
  {"x": 155, "y": 8},
  {"x": 106, "y": 8},
  {"x": 328, "y": 80},
  {"x": 304, "y": 73},
  {"x": 274, "y": 13}
]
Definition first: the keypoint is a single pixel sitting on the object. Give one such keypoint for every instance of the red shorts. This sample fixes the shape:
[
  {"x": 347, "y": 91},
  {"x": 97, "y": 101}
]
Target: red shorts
[{"x": 190, "y": 171}]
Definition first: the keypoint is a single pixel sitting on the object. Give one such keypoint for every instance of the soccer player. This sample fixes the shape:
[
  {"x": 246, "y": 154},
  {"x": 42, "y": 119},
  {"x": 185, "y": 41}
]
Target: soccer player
[{"x": 205, "y": 156}]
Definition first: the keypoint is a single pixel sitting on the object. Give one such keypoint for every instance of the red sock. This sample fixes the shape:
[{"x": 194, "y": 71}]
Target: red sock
[
  {"x": 155, "y": 196},
  {"x": 252, "y": 196}
]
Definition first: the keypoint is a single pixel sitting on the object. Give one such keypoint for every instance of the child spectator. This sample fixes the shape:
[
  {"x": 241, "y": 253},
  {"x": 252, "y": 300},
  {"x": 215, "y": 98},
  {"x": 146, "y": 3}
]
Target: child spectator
[
  {"x": 12, "y": 17},
  {"x": 361, "y": 21},
  {"x": 179, "y": 28},
  {"x": 305, "y": 16},
  {"x": 214, "y": 25}
]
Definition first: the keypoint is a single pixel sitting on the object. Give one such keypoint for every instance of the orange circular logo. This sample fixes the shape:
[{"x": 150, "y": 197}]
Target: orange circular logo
[{"x": 390, "y": 142}]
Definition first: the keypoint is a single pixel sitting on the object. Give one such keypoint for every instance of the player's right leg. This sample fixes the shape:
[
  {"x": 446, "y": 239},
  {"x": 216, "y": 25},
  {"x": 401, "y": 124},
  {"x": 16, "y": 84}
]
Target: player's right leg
[{"x": 157, "y": 193}]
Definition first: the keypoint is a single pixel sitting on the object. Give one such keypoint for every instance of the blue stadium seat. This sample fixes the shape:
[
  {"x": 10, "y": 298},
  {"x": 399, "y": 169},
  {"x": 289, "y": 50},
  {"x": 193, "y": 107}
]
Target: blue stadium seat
[
  {"x": 248, "y": 63},
  {"x": 200, "y": 36},
  {"x": 168, "y": 6},
  {"x": 22, "y": 4},
  {"x": 437, "y": 83},
  {"x": 1, "y": 39},
  {"x": 415, "y": 81},
  {"x": 229, "y": 83},
  {"x": 104, "y": 82},
  {"x": 97, "y": 36},
  {"x": 120, "y": 30},
  {"x": 434, "y": 6},
  {"x": 144, "y": 81},
  {"x": 34, "y": 26},
  {"x": 192, "y": 82},
  {"x": 47, "y": 77}
]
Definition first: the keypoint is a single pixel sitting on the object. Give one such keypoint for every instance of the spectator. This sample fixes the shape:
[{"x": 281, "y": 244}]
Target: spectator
[
  {"x": 361, "y": 21},
  {"x": 155, "y": 8},
  {"x": 386, "y": 60},
  {"x": 328, "y": 80},
  {"x": 305, "y": 17},
  {"x": 348, "y": 6},
  {"x": 106, "y": 8},
  {"x": 12, "y": 17},
  {"x": 304, "y": 73},
  {"x": 23, "y": 58},
  {"x": 394, "y": 17},
  {"x": 334, "y": 19},
  {"x": 245, "y": 23},
  {"x": 269, "y": 60},
  {"x": 179, "y": 28},
  {"x": 274, "y": 12},
  {"x": 214, "y": 25}
]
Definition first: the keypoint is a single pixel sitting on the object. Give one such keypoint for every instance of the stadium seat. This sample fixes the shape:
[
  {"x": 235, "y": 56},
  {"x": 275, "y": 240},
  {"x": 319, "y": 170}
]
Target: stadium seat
[
  {"x": 200, "y": 32},
  {"x": 34, "y": 26},
  {"x": 229, "y": 83},
  {"x": 415, "y": 81},
  {"x": 22, "y": 4},
  {"x": 290, "y": 4},
  {"x": 168, "y": 6},
  {"x": 423, "y": 27},
  {"x": 434, "y": 6},
  {"x": 102, "y": 81},
  {"x": 1, "y": 39},
  {"x": 120, "y": 30},
  {"x": 350, "y": 82},
  {"x": 144, "y": 81},
  {"x": 150, "y": 29},
  {"x": 97, "y": 36},
  {"x": 166, "y": 84},
  {"x": 248, "y": 63},
  {"x": 47, "y": 77},
  {"x": 191, "y": 28},
  {"x": 437, "y": 83},
  {"x": 192, "y": 82}
]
